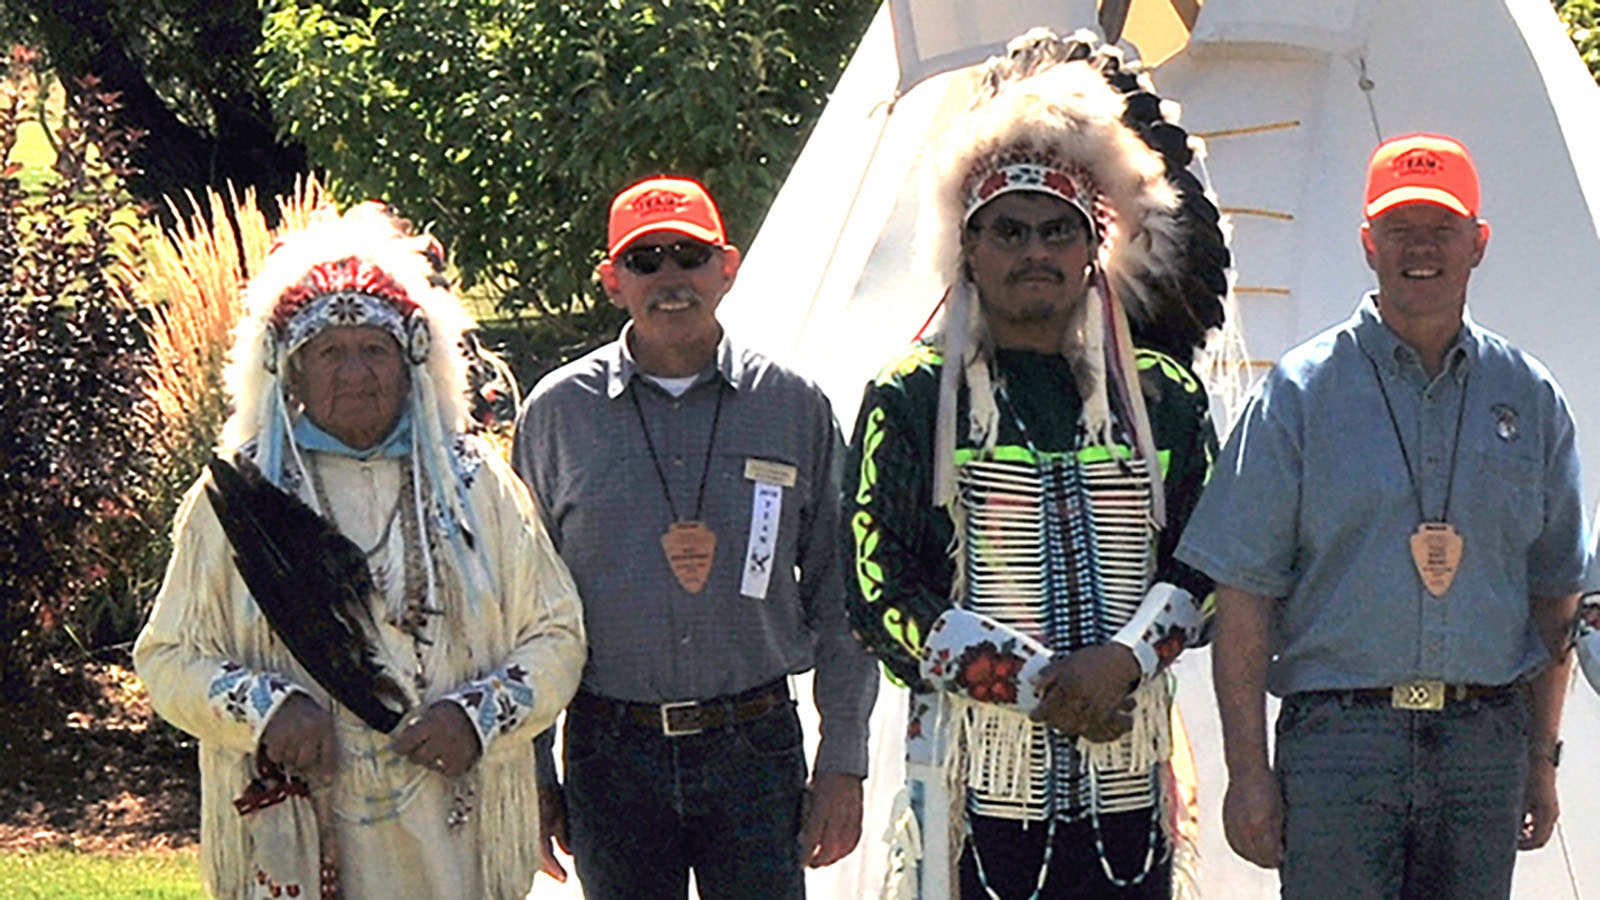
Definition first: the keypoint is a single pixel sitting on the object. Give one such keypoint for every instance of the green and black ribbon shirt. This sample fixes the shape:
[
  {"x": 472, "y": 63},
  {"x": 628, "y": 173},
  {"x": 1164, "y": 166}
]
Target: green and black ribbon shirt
[{"x": 899, "y": 543}]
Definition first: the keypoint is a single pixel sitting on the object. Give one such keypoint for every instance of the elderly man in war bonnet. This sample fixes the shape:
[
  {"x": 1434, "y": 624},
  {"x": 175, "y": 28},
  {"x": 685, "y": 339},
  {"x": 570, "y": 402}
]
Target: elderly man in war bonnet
[{"x": 363, "y": 620}]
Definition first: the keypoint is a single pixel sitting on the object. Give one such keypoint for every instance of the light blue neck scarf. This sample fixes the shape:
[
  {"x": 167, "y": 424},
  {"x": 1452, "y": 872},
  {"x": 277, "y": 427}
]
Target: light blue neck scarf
[{"x": 398, "y": 444}]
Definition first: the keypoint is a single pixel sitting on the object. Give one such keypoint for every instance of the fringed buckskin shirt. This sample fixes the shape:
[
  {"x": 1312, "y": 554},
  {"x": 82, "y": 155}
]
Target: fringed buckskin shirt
[{"x": 511, "y": 660}]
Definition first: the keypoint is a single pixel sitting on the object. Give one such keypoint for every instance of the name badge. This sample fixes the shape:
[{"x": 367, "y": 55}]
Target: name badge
[
  {"x": 765, "y": 511},
  {"x": 770, "y": 472}
]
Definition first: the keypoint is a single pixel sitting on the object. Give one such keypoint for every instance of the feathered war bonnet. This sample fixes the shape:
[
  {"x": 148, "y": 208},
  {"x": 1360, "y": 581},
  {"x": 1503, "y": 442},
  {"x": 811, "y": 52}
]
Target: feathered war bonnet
[
  {"x": 1045, "y": 119},
  {"x": 362, "y": 268}
]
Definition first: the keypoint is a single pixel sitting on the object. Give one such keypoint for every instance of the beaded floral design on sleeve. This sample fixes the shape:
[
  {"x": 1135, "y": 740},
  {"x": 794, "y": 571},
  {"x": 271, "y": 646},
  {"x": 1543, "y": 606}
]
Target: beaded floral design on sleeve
[
  {"x": 496, "y": 704},
  {"x": 246, "y": 697}
]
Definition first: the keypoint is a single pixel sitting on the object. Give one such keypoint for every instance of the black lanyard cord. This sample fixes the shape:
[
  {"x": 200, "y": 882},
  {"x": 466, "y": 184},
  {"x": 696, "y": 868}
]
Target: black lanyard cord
[
  {"x": 655, "y": 460},
  {"x": 1455, "y": 443}
]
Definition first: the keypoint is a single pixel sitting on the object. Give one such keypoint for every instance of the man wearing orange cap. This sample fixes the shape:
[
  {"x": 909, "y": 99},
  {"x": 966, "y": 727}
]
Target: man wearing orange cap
[
  {"x": 1395, "y": 529},
  {"x": 691, "y": 486}
]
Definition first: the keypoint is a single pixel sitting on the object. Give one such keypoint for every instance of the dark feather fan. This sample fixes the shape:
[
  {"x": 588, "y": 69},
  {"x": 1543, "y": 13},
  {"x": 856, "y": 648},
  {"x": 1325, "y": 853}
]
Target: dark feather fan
[
  {"x": 1190, "y": 304},
  {"x": 313, "y": 585}
]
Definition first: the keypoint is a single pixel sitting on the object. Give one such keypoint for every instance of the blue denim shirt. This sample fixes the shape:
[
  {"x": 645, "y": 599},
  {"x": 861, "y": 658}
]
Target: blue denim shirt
[{"x": 1310, "y": 503}]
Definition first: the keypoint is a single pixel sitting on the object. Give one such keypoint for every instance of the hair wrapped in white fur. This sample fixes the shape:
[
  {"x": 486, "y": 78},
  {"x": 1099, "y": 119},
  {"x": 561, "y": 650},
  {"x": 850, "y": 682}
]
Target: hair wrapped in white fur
[{"x": 1069, "y": 114}]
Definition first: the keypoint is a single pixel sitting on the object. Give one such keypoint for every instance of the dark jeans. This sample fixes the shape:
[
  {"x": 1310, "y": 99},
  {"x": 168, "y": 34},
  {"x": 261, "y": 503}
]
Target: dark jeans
[
  {"x": 1388, "y": 803},
  {"x": 1012, "y": 855},
  {"x": 643, "y": 808}
]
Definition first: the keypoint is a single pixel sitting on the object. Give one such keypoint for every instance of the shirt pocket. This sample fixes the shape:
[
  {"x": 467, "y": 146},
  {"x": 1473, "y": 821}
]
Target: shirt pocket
[{"x": 1507, "y": 494}]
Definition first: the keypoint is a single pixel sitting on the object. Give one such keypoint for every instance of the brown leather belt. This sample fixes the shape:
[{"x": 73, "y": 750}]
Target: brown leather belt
[
  {"x": 690, "y": 716},
  {"x": 1423, "y": 695}
]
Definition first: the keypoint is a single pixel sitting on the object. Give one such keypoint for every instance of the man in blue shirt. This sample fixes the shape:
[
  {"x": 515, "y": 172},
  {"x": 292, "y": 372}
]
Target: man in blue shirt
[{"x": 1395, "y": 529}]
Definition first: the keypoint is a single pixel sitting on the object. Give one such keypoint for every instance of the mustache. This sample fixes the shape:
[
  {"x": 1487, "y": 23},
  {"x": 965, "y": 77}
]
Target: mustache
[
  {"x": 1033, "y": 270},
  {"x": 675, "y": 292}
]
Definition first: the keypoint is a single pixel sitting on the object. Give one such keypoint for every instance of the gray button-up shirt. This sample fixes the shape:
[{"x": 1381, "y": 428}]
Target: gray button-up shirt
[
  {"x": 580, "y": 446},
  {"x": 1311, "y": 503}
]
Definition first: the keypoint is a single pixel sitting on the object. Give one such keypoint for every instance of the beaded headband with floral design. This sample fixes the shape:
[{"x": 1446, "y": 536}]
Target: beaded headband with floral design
[
  {"x": 1022, "y": 168},
  {"x": 349, "y": 292}
]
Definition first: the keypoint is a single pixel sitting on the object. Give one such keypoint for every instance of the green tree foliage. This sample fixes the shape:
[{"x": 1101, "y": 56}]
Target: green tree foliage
[
  {"x": 1583, "y": 24},
  {"x": 76, "y": 427},
  {"x": 184, "y": 73},
  {"x": 510, "y": 124}
]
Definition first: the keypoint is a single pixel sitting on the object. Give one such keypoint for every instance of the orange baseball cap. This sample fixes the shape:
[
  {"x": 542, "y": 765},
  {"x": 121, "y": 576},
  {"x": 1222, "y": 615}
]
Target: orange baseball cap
[
  {"x": 1426, "y": 168},
  {"x": 663, "y": 203}
]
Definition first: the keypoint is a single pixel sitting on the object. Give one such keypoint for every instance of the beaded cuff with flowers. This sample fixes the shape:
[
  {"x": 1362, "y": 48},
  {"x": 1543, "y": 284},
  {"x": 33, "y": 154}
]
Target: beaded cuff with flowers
[{"x": 974, "y": 656}]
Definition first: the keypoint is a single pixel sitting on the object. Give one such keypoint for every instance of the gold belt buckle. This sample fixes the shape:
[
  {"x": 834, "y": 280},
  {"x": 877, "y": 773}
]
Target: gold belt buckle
[{"x": 1417, "y": 695}]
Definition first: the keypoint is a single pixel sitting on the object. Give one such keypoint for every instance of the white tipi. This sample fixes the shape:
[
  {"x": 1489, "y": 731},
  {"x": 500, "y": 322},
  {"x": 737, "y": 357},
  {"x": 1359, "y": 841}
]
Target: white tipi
[{"x": 1291, "y": 95}]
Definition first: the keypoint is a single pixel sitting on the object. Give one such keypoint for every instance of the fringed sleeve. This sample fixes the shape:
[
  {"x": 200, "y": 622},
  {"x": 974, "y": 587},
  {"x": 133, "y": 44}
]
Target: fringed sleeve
[
  {"x": 525, "y": 690},
  {"x": 540, "y": 671},
  {"x": 193, "y": 682},
  {"x": 224, "y": 697}
]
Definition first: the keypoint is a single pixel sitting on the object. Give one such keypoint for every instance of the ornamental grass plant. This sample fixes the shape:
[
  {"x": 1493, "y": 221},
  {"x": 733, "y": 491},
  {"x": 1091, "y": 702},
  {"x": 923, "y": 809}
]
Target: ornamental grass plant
[{"x": 194, "y": 281}]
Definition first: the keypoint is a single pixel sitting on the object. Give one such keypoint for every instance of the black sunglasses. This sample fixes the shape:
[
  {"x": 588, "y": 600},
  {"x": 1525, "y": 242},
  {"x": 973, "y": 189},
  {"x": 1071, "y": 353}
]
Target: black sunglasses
[
  {"x": 686, "y": 255},
  {"x": 1014, "y": 234}
]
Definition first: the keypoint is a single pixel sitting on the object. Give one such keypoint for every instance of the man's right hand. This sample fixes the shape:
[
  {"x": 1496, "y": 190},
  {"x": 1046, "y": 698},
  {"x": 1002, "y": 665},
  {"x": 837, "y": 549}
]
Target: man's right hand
[
  {"x": 552, "y": 824},
  {"x": 1252, "y": 817},
  {"x": 1086, "y": 692},
  {"x": 299, "y": 736}
]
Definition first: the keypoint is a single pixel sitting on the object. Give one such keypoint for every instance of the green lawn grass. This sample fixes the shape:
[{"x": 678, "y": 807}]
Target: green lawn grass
[
  {"x": 69, "y": 875},
  {"x": 34, "y": 152},
  {"x": 33, "y": 148}
]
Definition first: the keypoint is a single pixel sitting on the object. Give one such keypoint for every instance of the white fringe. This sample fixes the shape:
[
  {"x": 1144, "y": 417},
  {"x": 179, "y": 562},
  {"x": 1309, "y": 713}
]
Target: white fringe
[
  {"x": 223, "y": 865},
  {"x": 904, "y": 837},
  {"x": 508, "y": 827},
  {"x": 991, "y": 750},
  {"x": 1149, "y": 743}
]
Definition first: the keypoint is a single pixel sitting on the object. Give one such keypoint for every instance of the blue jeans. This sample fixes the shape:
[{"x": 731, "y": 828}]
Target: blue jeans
[
  {"x": 644, "y": 808},
  {"x": 1388, "y": 803}
]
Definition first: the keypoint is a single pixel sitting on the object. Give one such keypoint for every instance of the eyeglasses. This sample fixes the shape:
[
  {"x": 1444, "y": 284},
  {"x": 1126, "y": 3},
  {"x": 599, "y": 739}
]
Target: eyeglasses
[
  {"x": 687, "y": 255},
  {"x": 1014, "y": 234}
]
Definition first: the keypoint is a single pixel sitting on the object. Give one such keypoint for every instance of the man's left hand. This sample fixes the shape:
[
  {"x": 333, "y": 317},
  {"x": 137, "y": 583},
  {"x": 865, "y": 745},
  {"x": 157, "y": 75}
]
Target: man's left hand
[
  {"x": 830, "y": 823},
  {"x": 1084, "y": 690},
  {"x": 1541, "y": 807},
  {"x": 440, "y": 738}
]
